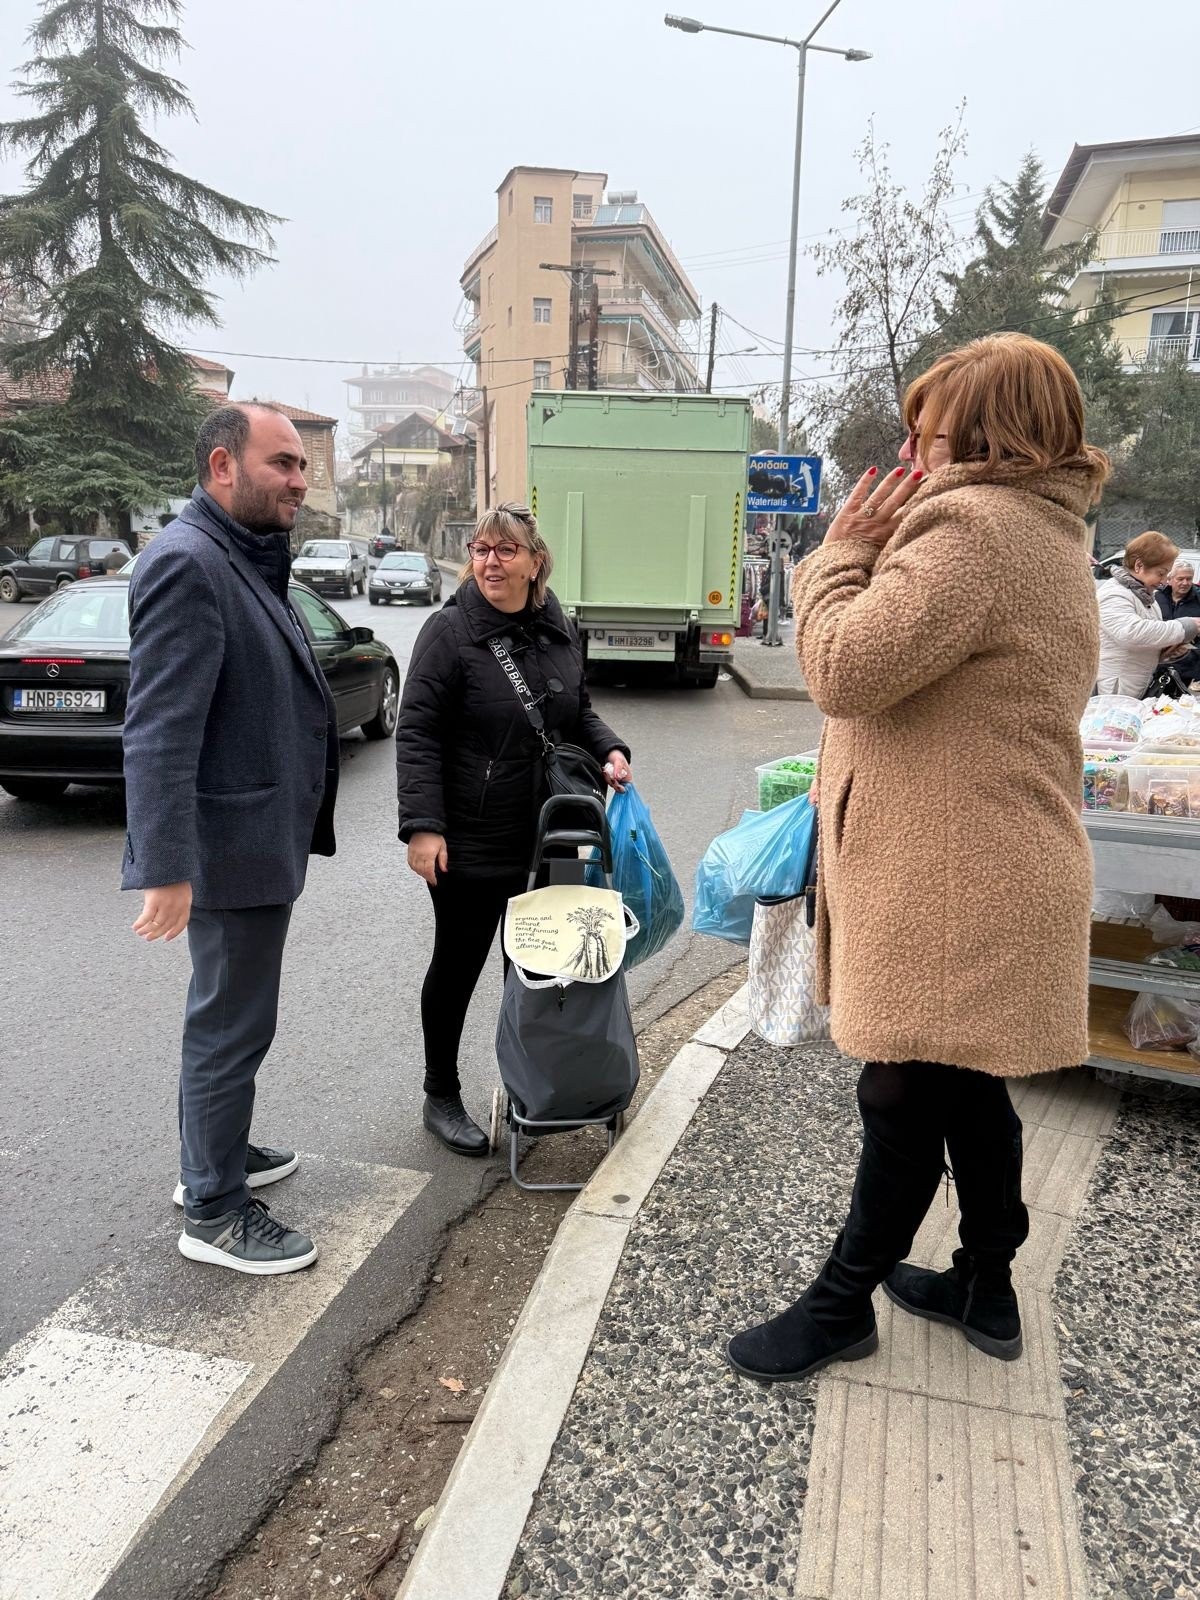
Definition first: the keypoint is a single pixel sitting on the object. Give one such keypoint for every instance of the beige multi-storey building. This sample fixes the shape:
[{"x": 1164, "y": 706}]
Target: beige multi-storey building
[{"x": 571, "y": 288}]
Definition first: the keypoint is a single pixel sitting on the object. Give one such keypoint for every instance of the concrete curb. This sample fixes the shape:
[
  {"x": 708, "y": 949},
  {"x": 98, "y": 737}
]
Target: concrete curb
[
  {"x": 468, "y": 1547},
  {"x": 755, "y": 690}
]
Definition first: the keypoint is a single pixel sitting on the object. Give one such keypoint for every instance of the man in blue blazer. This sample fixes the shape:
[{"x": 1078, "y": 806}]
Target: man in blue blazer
[{"x": 231, "y": 769}]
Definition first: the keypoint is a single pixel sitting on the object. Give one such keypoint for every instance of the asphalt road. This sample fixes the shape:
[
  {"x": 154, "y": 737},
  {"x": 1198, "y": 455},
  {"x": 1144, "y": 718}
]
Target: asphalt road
[{"x": 88, "y": 1147}]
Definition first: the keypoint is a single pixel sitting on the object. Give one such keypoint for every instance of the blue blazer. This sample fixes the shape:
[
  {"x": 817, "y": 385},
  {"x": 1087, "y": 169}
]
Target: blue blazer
[{"x": 231, "y": 746}]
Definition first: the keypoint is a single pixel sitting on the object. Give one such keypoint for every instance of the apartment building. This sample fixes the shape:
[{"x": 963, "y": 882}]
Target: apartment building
[
  {"x": 1141, "y": 199},
  {"x": 382, "y": 396},
  {"x": 572, "y": 287}
]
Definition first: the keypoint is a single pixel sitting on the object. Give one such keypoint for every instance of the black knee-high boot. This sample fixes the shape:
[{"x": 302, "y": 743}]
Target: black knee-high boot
[
  {"x": 898, "y": 1174},
  {"x": 983, "y": 1137}
]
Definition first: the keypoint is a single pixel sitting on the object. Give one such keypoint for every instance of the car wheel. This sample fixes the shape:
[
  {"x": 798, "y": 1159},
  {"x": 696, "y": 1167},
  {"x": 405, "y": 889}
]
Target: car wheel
[
  {"x": 374, "y": 599},
  {"x": 64, "y": 583},
  {"x": 383, "y": 724},
  {"x": 34, "y": 788},
  {"x": 362, "y": 586},
  {"x": 10, "y": 589}
]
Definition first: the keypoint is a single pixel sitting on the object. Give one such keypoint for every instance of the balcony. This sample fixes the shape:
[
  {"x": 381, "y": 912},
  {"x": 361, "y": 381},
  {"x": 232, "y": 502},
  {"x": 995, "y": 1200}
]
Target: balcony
[
  {"x": 631, "y": 299},
  {"x": 1146, "y": 247},
  {"x": 471, "y": 329},
  {"x": 484, "y": 244},
  {"x": 1140, "y": 353}
]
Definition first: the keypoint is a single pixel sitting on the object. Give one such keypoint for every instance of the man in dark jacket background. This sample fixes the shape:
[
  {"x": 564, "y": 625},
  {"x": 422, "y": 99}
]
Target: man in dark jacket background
[
  {"x": 1179, "y": 597},
  {"x": 231, "y": 765}
]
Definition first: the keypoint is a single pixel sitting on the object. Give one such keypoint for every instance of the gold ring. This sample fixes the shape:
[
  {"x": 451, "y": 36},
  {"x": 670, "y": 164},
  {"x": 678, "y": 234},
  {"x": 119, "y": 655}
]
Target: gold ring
[{"x": 868, "y": 511}]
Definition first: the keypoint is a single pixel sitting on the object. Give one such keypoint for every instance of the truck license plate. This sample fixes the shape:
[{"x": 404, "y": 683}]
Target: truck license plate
[{"x": 631, "y": 641}]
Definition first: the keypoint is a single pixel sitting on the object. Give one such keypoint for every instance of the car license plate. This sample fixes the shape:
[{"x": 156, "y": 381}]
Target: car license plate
[
  {"x": 632, "y": 641},
  {"x": 67, "y": 700}
]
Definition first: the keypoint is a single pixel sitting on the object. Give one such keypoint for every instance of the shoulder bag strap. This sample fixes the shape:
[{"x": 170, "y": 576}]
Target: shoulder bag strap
[{"x": 521, "y": 689}]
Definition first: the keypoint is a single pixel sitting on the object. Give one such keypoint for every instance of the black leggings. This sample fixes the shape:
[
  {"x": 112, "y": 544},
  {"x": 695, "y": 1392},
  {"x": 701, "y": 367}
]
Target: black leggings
[
  {"x": 915, "y": 1109},
  {"x": 466, "y": 912}
]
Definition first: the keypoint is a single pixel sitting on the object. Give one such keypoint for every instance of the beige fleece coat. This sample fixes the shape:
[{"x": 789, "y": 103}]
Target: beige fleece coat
[{"x": 956, "y": 878}]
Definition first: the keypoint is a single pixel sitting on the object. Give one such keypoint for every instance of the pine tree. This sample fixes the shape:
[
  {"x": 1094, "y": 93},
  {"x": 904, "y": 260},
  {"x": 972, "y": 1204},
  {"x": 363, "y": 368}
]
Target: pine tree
[
  {"x": 113, "y": 245},
  {"x": 1013, "y": 283}
]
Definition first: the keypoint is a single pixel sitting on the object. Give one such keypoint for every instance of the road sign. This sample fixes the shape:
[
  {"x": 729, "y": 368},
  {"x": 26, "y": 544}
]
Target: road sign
[{"x": 791, "y": 484}]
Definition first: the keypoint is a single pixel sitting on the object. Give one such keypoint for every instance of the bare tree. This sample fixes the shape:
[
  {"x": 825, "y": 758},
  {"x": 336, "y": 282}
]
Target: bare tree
[{"x": 892, "y": 267}]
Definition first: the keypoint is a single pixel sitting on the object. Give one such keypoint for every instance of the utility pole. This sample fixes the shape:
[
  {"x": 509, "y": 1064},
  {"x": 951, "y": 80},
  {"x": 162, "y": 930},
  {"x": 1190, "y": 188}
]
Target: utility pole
[
  {"x": 487, "y": 452},
  {"x": 593, "y": 346},
  {"x": 575, "y": 273},
  {"x": 383, "y": 520},
  {"x": 712, "y": 347}
]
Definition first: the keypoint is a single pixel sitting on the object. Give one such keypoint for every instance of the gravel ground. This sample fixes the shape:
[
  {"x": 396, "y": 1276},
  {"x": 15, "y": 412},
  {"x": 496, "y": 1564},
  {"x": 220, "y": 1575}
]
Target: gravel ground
[
  {"x": 1128, "y": 1303},
  {"x": 672, "y": 1478}
]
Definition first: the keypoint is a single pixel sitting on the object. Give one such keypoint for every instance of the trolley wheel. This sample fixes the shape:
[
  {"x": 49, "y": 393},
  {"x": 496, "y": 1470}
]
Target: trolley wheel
[
  {"x": 618, "y": 1125},
  {"x": 499, "y": 1123}
]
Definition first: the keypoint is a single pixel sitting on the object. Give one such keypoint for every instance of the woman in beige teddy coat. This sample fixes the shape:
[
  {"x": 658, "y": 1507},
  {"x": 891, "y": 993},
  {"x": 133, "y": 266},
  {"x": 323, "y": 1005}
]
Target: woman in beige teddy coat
[{"x": 948, "y": 628}]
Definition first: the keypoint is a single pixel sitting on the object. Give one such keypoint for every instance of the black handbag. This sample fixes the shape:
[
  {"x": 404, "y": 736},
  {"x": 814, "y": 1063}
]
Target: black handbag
[{"x": 569, "y": 770}]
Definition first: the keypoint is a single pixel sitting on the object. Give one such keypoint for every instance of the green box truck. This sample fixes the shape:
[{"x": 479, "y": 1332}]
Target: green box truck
[{"x": 641, "y": 497}]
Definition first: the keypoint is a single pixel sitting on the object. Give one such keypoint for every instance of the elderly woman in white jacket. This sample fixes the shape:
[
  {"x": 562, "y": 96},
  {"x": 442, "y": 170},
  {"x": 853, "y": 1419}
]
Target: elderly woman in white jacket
[{"x": 1133, "y": 636}]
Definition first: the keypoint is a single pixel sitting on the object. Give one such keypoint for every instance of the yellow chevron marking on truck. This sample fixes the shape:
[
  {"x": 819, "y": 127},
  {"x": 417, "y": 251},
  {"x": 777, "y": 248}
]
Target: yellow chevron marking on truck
[{"x": 735, "y": 587}]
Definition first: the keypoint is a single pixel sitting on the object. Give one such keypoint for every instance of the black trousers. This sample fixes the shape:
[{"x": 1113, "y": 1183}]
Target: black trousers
[
  {"x": 918, "y": 1112},
  {"x": 466, "y": 914}
]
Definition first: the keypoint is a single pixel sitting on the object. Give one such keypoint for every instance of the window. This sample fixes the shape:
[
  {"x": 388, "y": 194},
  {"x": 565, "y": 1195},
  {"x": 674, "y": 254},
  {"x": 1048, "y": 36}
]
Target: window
[
  {"x": 1175, "y": 333},
  {"x": 396, "y": 472},
  {"x": 510, "y": 202},
  {"x": 422, "y": 474},
  {"x": 41, "y": 551},
  {"x": 543, "y": 208},
  {"x": 320, "y": 623},
  {"x": 377, "y": 394},
  {"x": 1180, "y": 227},
  {"x": 541, "y": 374},
  {"x": 541, "y": 310},
  {"x": 581, "y": 207},
  {"x": 510, "y": 316}
]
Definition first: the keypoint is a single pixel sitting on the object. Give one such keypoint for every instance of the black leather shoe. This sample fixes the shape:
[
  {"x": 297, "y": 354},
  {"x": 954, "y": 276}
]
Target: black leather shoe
[
  {"x": 986, "y": 1312},
  {"x": 793, "y": 1346},
  {"x": 446, "y": 1116}
]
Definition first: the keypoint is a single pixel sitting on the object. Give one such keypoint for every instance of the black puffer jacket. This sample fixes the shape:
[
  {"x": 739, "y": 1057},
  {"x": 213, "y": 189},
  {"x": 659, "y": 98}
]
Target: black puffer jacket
[{"x": 468, "y": 763}]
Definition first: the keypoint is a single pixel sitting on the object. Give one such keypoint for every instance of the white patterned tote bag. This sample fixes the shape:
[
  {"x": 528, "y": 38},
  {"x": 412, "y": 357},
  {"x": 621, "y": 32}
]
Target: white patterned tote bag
[{"x": 783, "y": 974}]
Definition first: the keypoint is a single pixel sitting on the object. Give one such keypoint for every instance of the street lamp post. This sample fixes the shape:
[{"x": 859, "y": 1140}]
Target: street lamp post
[{"x": 801, "y": 47}]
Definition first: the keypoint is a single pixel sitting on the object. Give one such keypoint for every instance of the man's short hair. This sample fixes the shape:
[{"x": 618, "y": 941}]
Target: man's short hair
[
  {"x": 226, "y": 428},
  {"x": 1184, "y": 566}
]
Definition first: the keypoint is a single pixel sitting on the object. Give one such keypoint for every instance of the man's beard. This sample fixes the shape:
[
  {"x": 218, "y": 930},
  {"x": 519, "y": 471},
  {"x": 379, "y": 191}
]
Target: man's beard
[{"x": 256, "y": 509}]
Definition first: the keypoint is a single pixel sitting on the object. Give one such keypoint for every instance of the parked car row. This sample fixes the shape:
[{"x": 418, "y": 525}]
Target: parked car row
[
  {"x": 335, "y": 564},
  {"x": 64, "y": 678}
]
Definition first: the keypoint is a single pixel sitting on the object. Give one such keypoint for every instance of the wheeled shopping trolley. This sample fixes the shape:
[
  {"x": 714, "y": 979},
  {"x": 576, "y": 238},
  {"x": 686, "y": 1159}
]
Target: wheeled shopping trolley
[{"x": 564, "y": 1040}]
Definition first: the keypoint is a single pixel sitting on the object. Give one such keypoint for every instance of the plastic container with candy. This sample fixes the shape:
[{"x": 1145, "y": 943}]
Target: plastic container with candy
[
  {"x": 1102, "y": 780},
  {"x": 1161, "y": 785},
  {"x": 1112, "y": 722}
]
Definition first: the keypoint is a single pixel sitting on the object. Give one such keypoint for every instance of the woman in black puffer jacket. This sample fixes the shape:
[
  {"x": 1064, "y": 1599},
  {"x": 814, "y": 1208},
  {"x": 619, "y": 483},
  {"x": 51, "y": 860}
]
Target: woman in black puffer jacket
[{"x": 470, "y": 777}]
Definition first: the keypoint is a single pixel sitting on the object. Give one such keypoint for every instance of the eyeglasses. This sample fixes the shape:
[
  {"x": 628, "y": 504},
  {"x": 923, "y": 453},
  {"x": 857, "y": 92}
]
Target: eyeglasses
[
  {"x": 914, "y": 438},
  {"x": 505, "y": 552}
]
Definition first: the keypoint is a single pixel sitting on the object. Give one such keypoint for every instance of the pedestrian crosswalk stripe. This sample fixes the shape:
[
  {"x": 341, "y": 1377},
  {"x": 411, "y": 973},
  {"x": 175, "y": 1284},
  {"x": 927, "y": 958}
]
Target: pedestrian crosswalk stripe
[
  {"x": 93, "y": 1429},
  {"x": 154, "y": 1359}
]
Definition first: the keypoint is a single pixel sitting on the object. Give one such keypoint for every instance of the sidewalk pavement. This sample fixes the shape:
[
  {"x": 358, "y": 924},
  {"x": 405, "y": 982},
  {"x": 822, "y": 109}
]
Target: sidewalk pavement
[
  {"x": 769, "y": 674},
  {"x": 616, "y": 1454}
]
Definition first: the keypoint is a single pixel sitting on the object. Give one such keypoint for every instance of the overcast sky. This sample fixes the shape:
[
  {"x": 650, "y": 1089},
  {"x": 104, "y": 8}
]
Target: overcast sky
[{"x": 381, "y": 128}]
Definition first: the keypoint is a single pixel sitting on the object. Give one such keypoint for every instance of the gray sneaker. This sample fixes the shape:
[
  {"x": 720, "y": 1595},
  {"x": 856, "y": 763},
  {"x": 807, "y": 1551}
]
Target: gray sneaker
[
  {"x": 263, "y": 1166},
  {"x": 248, "y": 1240}
]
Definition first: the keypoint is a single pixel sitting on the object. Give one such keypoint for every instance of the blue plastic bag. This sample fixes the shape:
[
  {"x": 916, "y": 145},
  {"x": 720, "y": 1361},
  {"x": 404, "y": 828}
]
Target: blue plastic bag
[
  {"x": 765, "y": 857},
  {"x": 642, "y": 873}
]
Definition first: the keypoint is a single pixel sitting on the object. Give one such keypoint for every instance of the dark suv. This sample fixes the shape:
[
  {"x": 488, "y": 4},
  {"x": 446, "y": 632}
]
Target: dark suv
[{"x": 52, "y": 563}]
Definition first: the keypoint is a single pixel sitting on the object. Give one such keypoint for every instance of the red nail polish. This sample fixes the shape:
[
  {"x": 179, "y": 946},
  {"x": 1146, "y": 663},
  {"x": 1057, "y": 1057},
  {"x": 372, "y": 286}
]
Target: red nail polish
[
  {"x": 917, "y": 476},
  {"x": 899, "y": 472},
  {"x": 871, "y": 471}
]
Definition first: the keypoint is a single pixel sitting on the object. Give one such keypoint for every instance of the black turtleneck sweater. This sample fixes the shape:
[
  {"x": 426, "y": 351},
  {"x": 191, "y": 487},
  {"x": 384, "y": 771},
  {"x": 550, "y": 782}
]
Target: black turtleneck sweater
[{"x": 269, "y": 552}]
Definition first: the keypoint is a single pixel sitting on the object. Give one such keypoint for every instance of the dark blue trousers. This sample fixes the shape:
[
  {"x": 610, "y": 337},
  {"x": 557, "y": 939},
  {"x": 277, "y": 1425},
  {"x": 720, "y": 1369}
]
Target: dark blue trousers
[{"x": 229, "y": 1023}]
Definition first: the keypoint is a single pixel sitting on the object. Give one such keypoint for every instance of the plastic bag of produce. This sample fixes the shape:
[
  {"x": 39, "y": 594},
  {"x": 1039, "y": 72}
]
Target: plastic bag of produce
[
  {"x": 642, "y": 873},
  {"x": 1156, "y": 1022},
  {"x": 765, "y": 857}
]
